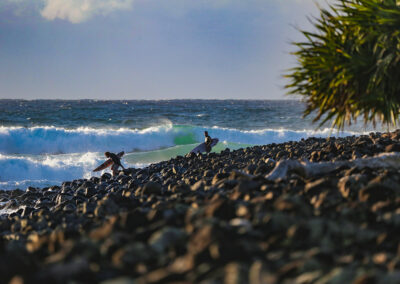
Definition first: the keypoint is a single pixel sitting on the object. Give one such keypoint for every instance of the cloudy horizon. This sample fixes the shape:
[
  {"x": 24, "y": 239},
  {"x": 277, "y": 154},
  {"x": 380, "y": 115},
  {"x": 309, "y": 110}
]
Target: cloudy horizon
[{"x": 148, "y": 49}]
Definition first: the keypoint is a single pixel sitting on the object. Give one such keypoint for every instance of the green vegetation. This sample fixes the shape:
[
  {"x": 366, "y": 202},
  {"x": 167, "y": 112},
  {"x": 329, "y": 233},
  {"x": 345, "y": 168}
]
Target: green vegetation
[{"x": 350, "y": 66}]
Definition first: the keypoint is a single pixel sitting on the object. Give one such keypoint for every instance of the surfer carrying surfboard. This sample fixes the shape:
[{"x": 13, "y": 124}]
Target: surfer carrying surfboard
[
  {"x": 116, "y": 162},
  {"x": 207, "y": 145},
  {"x": 207, "y": 141}
]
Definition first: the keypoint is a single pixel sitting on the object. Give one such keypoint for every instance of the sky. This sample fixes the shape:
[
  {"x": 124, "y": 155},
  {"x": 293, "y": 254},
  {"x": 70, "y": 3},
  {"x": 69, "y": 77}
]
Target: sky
[{"x": 148, "y": 49}]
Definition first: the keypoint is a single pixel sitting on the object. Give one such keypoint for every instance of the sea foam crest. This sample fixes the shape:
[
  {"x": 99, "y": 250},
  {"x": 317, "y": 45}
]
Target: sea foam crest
[
  {"x": 57, "y": 167},
  {"x": 20, "y": 171},
  {"x": 52, "y": 140},
  {"x": 268, "y": 136},
  {"x": 40, "y": 140}
]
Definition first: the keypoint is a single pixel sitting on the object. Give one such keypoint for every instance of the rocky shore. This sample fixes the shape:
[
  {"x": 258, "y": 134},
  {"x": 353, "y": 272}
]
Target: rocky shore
[{"x": 216, "y": 218}]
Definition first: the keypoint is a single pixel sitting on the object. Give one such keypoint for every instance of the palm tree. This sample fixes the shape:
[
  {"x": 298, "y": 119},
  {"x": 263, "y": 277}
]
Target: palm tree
[{"x": 350, "y": 66}]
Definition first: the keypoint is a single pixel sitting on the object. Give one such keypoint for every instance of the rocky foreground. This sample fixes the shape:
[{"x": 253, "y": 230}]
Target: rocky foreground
[{"x": 214, "y": 218}]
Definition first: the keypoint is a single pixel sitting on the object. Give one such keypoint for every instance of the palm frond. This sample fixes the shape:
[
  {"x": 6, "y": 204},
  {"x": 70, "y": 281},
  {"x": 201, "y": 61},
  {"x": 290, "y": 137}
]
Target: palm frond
[{"x": 349, "y": 67}]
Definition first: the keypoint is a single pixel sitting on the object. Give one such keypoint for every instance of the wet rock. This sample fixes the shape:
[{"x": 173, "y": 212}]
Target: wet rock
[
  {"x": 31, "y": 189},
  {"x": 61, "y": 198},
  {"x": 26, "y": 211}
]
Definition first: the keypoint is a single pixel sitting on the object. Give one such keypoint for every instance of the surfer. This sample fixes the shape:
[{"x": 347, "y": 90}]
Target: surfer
[
  {"x": 116, "y": 162},
  {"x": 207, "y": 141},
  {"x": 207, "y": 145}
]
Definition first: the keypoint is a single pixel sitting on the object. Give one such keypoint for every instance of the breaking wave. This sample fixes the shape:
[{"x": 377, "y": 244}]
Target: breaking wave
[{"x": 53, "y": 140}]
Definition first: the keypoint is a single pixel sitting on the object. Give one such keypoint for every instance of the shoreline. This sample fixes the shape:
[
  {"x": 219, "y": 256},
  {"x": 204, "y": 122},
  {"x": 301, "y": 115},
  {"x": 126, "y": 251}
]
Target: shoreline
[{"x": 215, "y": 217}]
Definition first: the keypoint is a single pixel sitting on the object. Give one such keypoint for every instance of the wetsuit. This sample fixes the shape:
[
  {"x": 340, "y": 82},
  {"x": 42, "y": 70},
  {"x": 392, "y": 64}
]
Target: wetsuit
[
  {"x": 117, "y": 163},
  {"x": 208, "y": 142}
]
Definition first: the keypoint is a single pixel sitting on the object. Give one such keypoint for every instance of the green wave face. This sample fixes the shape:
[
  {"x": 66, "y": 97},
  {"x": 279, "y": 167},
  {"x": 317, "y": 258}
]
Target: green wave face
[
  {"x": 169, "y": 153},
  {"x": 185, "y": 135}
]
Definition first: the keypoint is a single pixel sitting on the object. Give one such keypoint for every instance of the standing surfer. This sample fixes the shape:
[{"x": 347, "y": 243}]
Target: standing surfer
[
  {"x": 207, "y": 145},
  {"x": 207, "y": 141},
  {"x": 116, "y": 162}
]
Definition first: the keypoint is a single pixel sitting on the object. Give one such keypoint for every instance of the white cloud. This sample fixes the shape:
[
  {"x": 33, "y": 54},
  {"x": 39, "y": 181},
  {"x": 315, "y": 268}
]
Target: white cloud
[
  {"x": 77, "y": 11},
  {"x": 74, "y": 11}
]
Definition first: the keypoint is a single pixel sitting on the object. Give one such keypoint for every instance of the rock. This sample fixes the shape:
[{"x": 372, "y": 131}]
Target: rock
[
  {"x": 130, "y": 255},
  {"x": 198, "y": 186},
  {"x": 119, "y": 280},
  {"x": 105, "y": 207},
  {"x": 88, "y": 207},
  {"x": 69, "y": 208},
  {"x": 177, "y": 170},
  {"x": 208, "y": 173},
  {"x": 374, "y": 192},
  {"x": 61, "y": 198},
  {"x": 259, "y": 274},
  {"x": 190, "y": 155},
  {"x": 393, "y": 148},
  {"x": 129, "y": 221},
  {"x": 236, "y": 273},
  {"x": 319, "y": 185},
  {"x": 180, "y": 188},
  {"x": 350, "y": 185},
  {"x": 166, "y": 238},
  {"x": 69, "y": 270},
  {"x": 106, "y": 176},
  {"x": 26, "y": 210},
  {"x": 89, "y": 192},
  {"x": 152, "y": 188},
  {"x": 201, "y": 240},
  {"x": 31, "y": 189},
  {"x": 250, "y": 169},
  {"x": 220, "y": 208},
  {"x": 262, "y": 170}
]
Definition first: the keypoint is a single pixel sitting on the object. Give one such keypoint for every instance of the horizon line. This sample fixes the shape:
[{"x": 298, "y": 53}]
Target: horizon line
[{"x": 188, "y": 99}]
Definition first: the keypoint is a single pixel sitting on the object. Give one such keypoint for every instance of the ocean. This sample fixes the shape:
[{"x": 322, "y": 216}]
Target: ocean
[{"x": 46, "y": 142}]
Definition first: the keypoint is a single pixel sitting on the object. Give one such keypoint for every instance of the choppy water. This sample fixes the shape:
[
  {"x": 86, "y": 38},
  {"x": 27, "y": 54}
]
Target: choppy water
[{"x": 45, "y": 142}]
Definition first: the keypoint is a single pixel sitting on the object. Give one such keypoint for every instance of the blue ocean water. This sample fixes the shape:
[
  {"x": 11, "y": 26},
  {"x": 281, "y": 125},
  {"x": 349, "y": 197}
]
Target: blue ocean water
[{"x": 45, "y": 142}]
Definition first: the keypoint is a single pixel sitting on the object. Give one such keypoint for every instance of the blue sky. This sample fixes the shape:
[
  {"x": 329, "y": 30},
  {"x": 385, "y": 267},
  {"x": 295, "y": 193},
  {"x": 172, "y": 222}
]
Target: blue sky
[{"x": 148, "y": 49}]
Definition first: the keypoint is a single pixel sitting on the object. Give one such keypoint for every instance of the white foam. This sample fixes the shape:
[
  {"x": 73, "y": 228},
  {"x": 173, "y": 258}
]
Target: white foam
[
  {"x": 40, "y": 171},
  {"x": 40, "y": 140},
  {"x": 268, "y": 136},
  {"x": 52, "y": 140}
]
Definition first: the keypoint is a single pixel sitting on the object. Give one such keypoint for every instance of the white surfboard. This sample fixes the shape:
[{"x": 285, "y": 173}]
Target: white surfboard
[{"x": 202, "y": 147}]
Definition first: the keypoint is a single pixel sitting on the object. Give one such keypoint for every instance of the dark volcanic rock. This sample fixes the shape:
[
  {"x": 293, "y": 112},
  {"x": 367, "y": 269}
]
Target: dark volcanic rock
[{"x": 151, "y": 188}]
